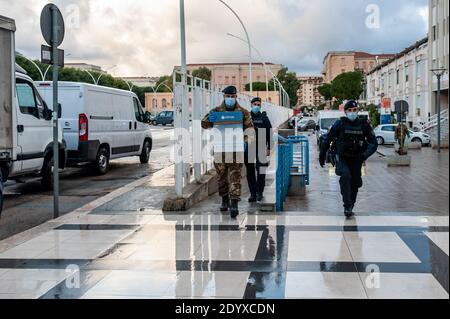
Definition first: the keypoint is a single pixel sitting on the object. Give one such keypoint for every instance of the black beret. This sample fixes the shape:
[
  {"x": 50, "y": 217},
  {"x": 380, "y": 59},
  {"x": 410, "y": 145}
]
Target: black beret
[
  {"x": 350, "y": 105},
  {"x": 256, "y": 99},
  {"x": 230, "y": 90}
]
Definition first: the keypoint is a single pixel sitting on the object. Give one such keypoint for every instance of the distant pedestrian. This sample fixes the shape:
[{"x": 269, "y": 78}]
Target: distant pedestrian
[
  {"x": 355, "y": 142},
  {"x": 401, "y": 133}
]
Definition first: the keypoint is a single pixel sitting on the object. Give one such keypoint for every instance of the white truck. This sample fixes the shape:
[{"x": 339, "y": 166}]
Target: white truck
[
  {"x": 100, "y": 123},
  {"x": 26, "y": 129}
]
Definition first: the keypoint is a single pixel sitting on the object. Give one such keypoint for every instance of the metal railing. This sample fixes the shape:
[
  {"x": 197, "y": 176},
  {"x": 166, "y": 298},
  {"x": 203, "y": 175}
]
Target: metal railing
[
  {"x": 433, "y": 120},
  {"x": 292, "y": 160}
]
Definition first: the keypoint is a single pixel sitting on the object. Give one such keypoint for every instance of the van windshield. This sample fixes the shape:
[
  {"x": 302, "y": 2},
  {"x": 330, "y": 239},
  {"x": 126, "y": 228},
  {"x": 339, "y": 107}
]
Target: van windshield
[{"x": 326, "y": 124}]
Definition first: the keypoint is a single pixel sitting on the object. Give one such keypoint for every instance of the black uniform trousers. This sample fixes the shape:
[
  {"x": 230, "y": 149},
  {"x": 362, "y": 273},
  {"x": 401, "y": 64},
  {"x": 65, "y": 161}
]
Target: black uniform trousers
[
  {"x": 256, "y": 177},
  {"x": 349, "y": 169}
]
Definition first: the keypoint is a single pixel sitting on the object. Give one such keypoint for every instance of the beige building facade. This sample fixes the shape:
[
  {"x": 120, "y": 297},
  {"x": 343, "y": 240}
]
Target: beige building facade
[
  {"x": 338, "y": 62},
  {"x": 237, "y": 74},
  {"x": 308, "y": 93}
]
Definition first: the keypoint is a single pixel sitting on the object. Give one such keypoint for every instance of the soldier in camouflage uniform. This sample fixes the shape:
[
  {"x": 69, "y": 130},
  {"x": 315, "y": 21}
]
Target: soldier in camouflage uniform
[{"x": 229, "y": 174}]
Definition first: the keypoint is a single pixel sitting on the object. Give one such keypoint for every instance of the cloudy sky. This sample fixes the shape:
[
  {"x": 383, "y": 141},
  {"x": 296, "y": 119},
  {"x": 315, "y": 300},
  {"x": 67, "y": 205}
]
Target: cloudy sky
[{"x": 141, "y": 37}]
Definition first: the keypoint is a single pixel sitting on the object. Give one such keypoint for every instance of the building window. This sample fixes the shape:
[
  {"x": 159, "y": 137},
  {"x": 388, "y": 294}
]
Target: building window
[
  {"x": 233, "y": 80},
  {"x": 164, "y": 103},
  {"x": 406, "y": 74},
  {"x": 357, "y": 65},
  {"x": 398, "y": 77},
  {"x": 418, "y": 69},
  {"x": 343, "y": 62},
  {"x": 227, "y": 80},
  {"x": 155, "y": 103}
]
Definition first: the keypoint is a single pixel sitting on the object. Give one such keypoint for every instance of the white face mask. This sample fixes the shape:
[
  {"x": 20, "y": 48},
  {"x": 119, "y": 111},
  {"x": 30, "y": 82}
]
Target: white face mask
[{"x": 352, "y": 116}]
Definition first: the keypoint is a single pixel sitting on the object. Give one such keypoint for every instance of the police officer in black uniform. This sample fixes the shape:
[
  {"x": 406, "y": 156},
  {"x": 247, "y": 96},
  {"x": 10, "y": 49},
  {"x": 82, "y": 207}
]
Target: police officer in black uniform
[
  {"x": 355, "y": 142},
  {"x": 256, "y": 157}
]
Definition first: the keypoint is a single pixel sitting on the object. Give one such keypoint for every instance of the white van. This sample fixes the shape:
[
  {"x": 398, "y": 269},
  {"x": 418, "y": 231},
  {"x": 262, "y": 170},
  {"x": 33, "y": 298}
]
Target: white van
[
  {"x": 326, "y": 120},
  {"x": 100, "y": 124},
  {"x": 26, "y": 128}
]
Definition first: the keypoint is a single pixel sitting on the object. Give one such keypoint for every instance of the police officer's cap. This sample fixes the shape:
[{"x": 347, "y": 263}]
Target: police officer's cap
[
  {"x": 231, "y": 90},
  {"x": 256, "y": 99},
  {"x": 350, "y": 105}
]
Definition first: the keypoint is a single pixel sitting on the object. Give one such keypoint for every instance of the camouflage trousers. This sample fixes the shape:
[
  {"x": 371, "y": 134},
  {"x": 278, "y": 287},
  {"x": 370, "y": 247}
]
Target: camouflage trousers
[{"x": 229, "y": 177}]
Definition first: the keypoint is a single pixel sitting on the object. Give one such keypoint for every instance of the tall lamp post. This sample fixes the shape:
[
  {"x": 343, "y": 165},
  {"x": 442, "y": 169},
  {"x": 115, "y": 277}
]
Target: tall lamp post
[
  {"x": 439, "y": 72},
  {"x": 248, "y": 41},
  {"x": 260, "y": 57}
]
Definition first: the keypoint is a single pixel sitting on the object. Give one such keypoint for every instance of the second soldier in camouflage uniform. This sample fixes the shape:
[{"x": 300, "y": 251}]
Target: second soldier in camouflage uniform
[{"x": 229, "y": 172}]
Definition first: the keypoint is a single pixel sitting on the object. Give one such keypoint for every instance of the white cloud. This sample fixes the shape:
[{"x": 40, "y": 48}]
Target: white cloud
[{"x": 142, "y": 36}]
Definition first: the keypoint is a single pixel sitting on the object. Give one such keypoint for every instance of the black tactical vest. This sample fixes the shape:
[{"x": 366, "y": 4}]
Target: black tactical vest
[{"x": 351, "y": 142}]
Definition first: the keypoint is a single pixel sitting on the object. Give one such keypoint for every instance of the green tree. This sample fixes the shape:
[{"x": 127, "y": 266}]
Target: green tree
[
  {"x": 167, "y": 80},
  {"x": 325, "y": 91},
  {"x": 290, "y": 83},
  {"x": 347, "y": 86},
  {"x": 202, "y": 73},
  {"x": 373, "y": 114},
  {"x": 260, "y": 86}
]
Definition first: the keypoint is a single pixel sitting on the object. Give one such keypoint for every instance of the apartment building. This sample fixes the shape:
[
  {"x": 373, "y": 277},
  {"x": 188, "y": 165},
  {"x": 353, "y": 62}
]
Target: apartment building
[{"x": 308, "y": 92}]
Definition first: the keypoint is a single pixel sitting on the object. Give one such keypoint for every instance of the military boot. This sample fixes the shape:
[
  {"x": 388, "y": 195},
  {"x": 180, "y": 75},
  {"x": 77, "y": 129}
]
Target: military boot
[
  {"x": 225, "y": 204},
  {"x": 234, "y": 210}
]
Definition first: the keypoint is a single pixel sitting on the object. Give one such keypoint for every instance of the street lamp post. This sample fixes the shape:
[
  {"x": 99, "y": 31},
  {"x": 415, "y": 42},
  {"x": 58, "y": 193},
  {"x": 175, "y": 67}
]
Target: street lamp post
[
  {"x": 260, "y": 57},
  {"x": 248, "y": 41},
  {"x": 439, "y": 72}
]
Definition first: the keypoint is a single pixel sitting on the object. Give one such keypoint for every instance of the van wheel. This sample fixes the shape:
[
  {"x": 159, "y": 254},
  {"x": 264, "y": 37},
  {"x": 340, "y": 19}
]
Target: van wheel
[
  {"x": 101, "y": 164},
  {"x": 146, "y": 150},
  {"x": 47, "y": 174}
]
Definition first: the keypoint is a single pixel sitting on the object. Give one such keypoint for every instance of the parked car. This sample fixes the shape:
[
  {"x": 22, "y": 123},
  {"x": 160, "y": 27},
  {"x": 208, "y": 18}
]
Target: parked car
[
  {"x": 26, "y": 122},
  {"x": 386, "y": 135},
  {"x": 164, "y": 118},
  {"x": 306, "y": 124},
  {"x": 100, "y": 124},
  {"x": 291, "y": 122}
]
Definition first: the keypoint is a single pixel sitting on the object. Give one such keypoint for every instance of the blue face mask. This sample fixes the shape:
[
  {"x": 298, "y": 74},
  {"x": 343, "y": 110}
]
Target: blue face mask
[
  {"x": 230, "y": 102},
  {"x": 352, "y": 116},
  {"x": 256, "y": 109}
]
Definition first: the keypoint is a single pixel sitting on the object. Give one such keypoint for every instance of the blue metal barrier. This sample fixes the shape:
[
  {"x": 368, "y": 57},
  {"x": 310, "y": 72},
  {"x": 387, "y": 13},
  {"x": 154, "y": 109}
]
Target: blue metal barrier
[
  {"x": 293, "y": 159},
  {"x": 300, "y": 157}
]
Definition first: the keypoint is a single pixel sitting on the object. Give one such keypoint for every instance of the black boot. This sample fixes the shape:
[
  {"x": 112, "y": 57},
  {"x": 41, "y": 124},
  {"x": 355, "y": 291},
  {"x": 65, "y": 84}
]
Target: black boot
[
  {"x": 252, "y": 198},
  {"x": 349, "y": 212},
  {"x": 259, "y": 197},
  {"x": 234, "y": 210},
  {"x": 225, "y": 204}
]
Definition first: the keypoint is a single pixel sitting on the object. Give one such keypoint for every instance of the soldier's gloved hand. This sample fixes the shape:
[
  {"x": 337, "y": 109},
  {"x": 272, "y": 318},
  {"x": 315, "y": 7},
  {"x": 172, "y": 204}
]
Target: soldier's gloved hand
[{"x": 322, "y": 160}]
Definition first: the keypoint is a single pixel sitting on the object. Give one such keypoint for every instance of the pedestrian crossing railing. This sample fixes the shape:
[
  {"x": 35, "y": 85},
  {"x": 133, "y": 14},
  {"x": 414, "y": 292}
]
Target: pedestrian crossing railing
[{"x": 292, "y": 166}]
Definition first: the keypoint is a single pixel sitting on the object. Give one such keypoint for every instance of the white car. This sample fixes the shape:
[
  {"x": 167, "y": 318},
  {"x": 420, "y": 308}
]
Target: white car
[{"x": 386, "y": 135}]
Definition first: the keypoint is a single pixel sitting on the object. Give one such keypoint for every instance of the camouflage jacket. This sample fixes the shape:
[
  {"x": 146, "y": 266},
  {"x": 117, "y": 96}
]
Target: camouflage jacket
[{"x": 247, "y": 121}]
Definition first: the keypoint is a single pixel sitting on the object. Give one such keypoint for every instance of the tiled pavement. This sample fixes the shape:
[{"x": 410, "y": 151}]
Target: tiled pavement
[{"x": 108, "y": 252}]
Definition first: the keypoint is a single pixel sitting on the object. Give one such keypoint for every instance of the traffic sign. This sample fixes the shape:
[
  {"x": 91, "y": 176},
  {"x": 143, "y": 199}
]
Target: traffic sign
[{"x": 47, "y": 24}]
